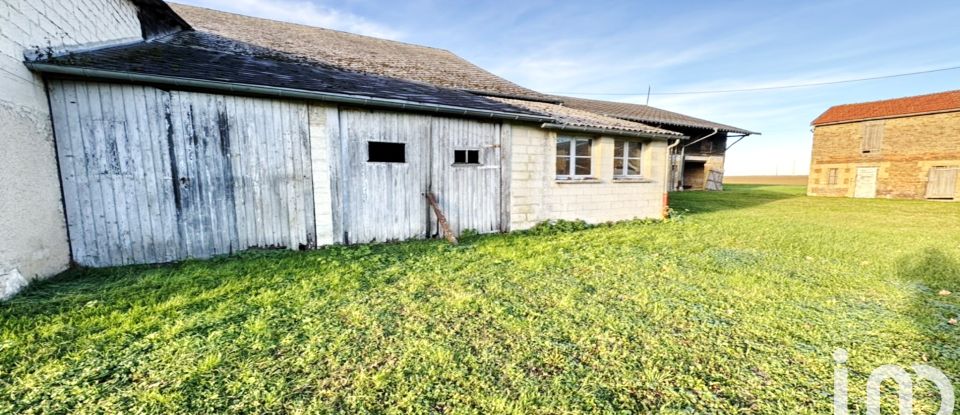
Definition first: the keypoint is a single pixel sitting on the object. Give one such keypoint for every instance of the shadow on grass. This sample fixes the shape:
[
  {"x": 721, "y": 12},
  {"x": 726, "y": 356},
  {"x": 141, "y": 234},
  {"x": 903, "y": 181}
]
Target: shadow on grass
[
  {"x": 733, "y": 197},
  {"x": 932, "y": 268},
  {"x": 199, "y": 284},
  {"x": 118, "y": 289},
  {"x": 937, "y": 278}
]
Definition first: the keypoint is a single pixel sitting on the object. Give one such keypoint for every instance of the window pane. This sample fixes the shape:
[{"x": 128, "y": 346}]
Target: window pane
[
  {"x": 617, "y": 166},
  {"x": 473, "y": 157},
  {"x": 563, "y": 166},
  {"x": 633, "y": 167},
  {"x": 583, "y": 147},
  {"x": 635, "y": 150},
  {"x": 583, "y": 166},
  {"x": 459, "y": 156},
  {"x": 563, "y": 146},
  {"x": 618, "y": 148}
]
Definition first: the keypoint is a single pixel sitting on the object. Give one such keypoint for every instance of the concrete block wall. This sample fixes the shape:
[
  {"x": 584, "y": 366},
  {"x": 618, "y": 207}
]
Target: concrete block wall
[
  {"x": 910, "y": 147},
  {"x": 324, "y": 132},
  {"x": 33, "y": 239},
  {"x": 536, "y": 195}
]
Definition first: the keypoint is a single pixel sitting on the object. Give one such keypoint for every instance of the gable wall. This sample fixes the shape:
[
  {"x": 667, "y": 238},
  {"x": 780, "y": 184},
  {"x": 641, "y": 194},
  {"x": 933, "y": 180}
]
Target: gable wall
[
  {"x": 33, "y": 240},
  {"x": 910, "y": 147}
]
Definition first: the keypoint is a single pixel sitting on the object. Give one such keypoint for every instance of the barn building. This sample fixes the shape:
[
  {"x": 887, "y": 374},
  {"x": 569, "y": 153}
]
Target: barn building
[
  {"x": 905, "y": 148},
  {"x": 145, "y": 133},
  {"x": 696, "y": 164}
]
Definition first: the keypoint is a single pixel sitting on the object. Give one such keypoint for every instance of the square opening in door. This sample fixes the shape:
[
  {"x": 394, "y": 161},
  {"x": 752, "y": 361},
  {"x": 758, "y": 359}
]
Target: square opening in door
[
  {"x": 466, "y": 156},
  {"x": 381, "y": 152}
]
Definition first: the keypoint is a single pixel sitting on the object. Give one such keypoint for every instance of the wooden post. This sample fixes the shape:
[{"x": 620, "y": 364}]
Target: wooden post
[{"x": 447, "y": 233}]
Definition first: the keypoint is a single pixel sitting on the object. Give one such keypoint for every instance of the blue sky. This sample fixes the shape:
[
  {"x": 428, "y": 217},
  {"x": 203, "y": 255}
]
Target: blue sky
[{"x": 620, "y": 47}]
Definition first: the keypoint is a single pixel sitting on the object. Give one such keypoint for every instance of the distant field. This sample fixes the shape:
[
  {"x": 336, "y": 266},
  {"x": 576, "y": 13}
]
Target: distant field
[{"x": 784, "y": 180}]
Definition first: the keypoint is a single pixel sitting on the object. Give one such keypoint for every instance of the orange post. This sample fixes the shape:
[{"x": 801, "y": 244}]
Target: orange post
[{"x": 666, "y": 205}]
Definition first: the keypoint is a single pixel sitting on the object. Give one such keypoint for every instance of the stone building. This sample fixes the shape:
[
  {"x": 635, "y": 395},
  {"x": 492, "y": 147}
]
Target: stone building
[{"x": 904, "y": 148}]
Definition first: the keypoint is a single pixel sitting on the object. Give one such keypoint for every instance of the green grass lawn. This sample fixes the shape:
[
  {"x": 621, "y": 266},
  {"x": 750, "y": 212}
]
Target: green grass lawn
[{"x": 735, "y": 307}]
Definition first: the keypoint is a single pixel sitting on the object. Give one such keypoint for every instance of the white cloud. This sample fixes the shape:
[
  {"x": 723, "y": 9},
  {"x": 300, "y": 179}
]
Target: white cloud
[{"x": 303, "y": 12}]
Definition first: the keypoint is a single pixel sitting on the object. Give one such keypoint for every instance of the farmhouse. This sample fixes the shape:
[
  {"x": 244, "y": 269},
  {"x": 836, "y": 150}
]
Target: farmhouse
[
  {"x": 148, "y": 134},
  {"x": 905, "y": 148}
]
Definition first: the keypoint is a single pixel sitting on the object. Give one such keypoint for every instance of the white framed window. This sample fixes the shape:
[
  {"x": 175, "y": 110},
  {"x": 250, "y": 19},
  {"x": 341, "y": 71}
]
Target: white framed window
[
  {"x": 626, "y": 158},
  {"x": 832, "y": 177},
  {"x": 574, "y": 157}
]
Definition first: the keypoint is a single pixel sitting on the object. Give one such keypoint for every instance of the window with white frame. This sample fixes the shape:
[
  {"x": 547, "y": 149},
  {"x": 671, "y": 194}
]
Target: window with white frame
[
  {"x": 626, "y": 158},
  {"x": 573, "y": 157}
]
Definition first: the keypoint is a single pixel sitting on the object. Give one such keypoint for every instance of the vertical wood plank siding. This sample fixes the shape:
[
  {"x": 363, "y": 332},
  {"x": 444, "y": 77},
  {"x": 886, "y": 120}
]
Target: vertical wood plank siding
[
  {"x": 384, "y": 201},
  {"x": 155, "y": 176},
  {"x": 375, "y": 201},
  {"x": 469, "y": 195}
]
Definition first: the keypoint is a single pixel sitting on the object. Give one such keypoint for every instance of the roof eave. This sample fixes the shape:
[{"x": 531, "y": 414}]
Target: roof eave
[
  {"x": 887, "y": 117},
  {"x": 273, "y": 91},
  {"x": 610, "y": 132},
  {"x": 726, "y": 129}
]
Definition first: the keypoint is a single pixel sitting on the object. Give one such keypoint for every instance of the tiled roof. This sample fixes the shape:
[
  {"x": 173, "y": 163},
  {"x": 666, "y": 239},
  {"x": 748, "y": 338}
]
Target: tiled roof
[
  {"x": 645, "y": 114},
  {"x": 203, "y": 56},
  {"x": 578, "y": 118},
  {"x": 891, "y": 108},
  {"x": 355, "y": 52}
]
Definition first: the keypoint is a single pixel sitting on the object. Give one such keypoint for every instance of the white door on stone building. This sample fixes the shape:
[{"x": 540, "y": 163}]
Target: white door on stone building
[
  {"x": 866, "y": 185},
  {"x": 942, "y": 183}
]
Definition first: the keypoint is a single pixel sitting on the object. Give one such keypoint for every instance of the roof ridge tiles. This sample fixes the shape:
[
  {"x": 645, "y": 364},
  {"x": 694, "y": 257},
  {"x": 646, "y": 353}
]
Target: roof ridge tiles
[{"x": 945, "y": 101}]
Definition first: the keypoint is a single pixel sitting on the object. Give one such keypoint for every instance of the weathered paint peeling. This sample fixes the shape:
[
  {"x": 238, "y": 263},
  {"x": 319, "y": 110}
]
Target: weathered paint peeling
[
  {"x": 174, "y": 171},
  {"x": 199, "y": 174}
]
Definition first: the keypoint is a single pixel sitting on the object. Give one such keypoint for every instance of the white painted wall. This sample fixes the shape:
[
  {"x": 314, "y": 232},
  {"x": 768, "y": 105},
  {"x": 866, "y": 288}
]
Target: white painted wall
[
  {"x": 536, "y": 195},
  {"x": 324, "y": 133},
  {"x": 33, "y": 239}
]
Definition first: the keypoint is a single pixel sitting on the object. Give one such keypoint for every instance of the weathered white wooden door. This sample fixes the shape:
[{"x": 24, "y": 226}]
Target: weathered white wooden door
[
  {"x": 866, "y": 184},
  {"x": 468, "y": 188},
  {"x": 383, "y": 200},
  {"x": 942, "y": 183}
]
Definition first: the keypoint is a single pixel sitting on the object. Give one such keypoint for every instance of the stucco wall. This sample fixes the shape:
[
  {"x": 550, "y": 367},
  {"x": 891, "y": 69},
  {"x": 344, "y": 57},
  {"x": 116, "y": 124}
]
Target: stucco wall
[
  {"x": 33, "y": 240},
  {"x": 536, "y": 195},
  {"x": 910, "y": 147}
]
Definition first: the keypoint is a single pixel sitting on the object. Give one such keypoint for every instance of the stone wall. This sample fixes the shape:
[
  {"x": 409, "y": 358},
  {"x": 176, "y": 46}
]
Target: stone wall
[
  {"x": 536, "y": 195},
  {"x": 910, "y": 147}
]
